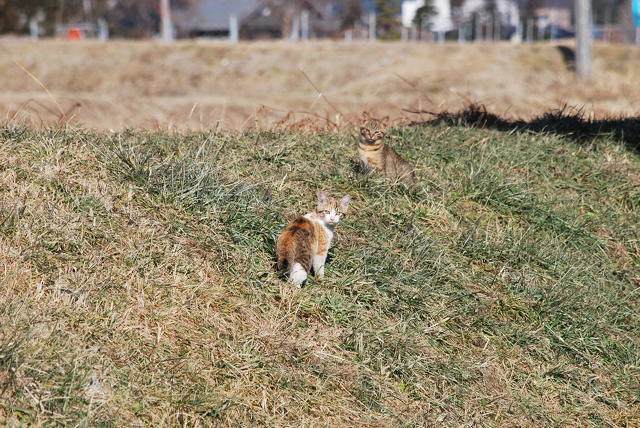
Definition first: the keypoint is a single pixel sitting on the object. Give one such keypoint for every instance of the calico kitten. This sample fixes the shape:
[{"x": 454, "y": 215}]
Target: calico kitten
[
  {"x": 306, "y": 240},
  {"x": 376, "y": 155}
]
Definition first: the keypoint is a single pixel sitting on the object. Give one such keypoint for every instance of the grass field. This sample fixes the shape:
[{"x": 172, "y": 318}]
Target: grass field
[
  {"x": 200, "y": 85},
  {"x": 137, "y": 284}
]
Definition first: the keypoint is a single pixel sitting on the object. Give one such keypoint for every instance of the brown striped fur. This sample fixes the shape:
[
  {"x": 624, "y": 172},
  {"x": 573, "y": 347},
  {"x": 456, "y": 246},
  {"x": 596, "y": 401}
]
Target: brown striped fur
[
  {"x": 306, "y": 240},
  {"x": 376, "y": 155}
]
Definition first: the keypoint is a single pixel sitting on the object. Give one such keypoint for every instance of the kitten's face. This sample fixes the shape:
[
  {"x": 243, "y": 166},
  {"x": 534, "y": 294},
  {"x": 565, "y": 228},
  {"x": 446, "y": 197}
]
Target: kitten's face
[
  {"x": 372, "y": 131},
  {"x": 330, "y": 210}
]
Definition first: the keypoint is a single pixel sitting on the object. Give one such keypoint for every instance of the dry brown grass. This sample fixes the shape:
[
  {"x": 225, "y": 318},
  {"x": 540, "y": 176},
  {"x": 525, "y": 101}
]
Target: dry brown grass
[
  {"x": 136, "y": 268},
  {"x": 204, "y": 85}
]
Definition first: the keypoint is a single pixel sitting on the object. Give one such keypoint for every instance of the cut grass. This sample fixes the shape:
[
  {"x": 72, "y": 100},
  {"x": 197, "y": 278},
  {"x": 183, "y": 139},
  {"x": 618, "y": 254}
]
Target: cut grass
[{"x": 138, "y": 283}]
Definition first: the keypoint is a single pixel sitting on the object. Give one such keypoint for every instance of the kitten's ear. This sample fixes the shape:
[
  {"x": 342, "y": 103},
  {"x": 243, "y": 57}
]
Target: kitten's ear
[
  {"x": 384, "y": 122},
  {"x": 344, "y": 203},
  {"x": 365, "y": 116}
]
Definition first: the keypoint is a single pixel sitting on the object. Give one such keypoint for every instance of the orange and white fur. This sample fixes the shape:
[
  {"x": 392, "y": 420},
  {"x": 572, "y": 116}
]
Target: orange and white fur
[{"x": 305, "y": 241}]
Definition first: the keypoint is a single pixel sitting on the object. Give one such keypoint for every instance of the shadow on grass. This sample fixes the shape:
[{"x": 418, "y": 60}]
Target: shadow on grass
[
  {"x": 566, "y": 121},
  {"x": 568, "y": 56}
]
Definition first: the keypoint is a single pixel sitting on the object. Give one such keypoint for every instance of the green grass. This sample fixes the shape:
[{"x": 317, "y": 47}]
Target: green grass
[{"x": 137, "y": 282}]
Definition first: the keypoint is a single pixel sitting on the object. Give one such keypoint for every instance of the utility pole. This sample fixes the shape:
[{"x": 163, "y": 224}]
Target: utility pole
[
  {"x": 166, "y": 31},
  {"x": 462, "y": 33},
  {"x": 103, "y": 30},
  {"x": 489, "y": 32},
  {"x": 233, "y": 29},
  {"x": 519, "y": 34},
  {"x": 304, "y": 25},
  {"x": 34, "y": 28},
  {"x": 295, "y": 28},
  {"x": 372, "y": 26},
  {"x": 584, "y": 38},
  {"x": 87, "y": 7},
  {"x": 635, "y": 10}
]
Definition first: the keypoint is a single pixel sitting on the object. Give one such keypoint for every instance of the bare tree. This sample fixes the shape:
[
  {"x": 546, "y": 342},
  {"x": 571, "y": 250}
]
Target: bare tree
[
  {"x": 137, "y": 18},
  {"x": 352, "y": 11},
  {"x": 387, "y": 19},
  {"x": 15, "y": 14},
  {"x": 424, "y": 13}
]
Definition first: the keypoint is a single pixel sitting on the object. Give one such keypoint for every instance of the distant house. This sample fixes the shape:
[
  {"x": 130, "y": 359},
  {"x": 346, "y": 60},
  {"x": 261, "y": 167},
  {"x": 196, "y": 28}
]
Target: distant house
[
  {"x": 558, "y": 13},
  {"x": 258, "y": 18},
  {"x": 210, "y": 18}
]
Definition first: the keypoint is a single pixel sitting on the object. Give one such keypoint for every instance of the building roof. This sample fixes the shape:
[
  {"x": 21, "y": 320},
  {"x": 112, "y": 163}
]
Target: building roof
[{"x": 212, "y": 15}]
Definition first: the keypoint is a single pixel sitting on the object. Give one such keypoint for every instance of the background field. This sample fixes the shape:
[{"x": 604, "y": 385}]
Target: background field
[{"x": 200, "y": 85}]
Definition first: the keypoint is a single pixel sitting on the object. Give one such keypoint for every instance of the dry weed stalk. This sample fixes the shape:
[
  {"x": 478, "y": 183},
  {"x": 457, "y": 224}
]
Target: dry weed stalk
[{"x": 63, "y": 114}]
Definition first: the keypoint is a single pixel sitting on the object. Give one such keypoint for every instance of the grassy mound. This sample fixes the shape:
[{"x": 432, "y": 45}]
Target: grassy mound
[{"x": 137, "y": 282}]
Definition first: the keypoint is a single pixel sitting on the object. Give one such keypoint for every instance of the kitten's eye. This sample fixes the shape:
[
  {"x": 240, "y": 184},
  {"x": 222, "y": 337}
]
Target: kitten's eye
[{"x": 326, "y": 212}]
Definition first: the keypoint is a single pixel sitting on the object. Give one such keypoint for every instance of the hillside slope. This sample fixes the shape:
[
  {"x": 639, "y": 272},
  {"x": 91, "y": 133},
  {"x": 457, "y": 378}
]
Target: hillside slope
[{"x": 136, "y": 281}]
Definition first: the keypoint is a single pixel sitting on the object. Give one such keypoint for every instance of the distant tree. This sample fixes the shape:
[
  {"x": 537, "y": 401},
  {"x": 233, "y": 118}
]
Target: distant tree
[
  {"x": 490, "y": 7},
  {"x": 387, "y": 20},
  {"x": 15, "y": 14},
  {"x": 624, "y": 17},
  {"x": 352, "y": 11},
  {"x": 126, "y": 18},
  {"x": 456, "y": 11},
  {"x": 134, "y": 18},
  {"x": 530, "y": 6},
  {"x": 286, "y": 10},
  {"x": 605, "y": 12},
  {"x": 11, "y": 16},
  {"x": 424, "y": 13},
  {"x": 137, "y": 18}
]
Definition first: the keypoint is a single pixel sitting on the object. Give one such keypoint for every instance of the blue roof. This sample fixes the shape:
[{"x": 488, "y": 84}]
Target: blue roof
[
  {"x": 368, "y": 6},
  {"x": 212, "y": 15}
]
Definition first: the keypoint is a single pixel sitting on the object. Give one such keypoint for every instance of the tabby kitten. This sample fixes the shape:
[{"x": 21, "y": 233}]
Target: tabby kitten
[
  {"x": 306, "y": 240},
  {"x": 376, "y": 155}
]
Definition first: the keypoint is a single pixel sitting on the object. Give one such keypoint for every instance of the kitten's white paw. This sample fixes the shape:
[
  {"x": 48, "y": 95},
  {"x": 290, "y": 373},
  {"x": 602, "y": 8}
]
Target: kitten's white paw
[{"x": 298, "y": 275}]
